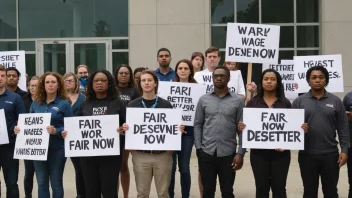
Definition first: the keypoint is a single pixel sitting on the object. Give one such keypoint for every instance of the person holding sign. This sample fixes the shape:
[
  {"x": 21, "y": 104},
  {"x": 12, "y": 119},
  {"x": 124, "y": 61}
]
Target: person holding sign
[
  {"x": 13, "y": 106},
  {"x": 270, "y": 167},
  {"x": 151, "y": 163},
  {"x": 215, "y": 129},
  {"x": 347, "y": 102},
  {"x": 128, "y": 92},
  {"x": 51, "y": 97},
  {"x": 325, "y": 115},
  {"x": 101, "y": 173},
  {"x": 76, "y": 98},
  {"x": 197, "y": 60},
  {"x": 184, "y": 73}
]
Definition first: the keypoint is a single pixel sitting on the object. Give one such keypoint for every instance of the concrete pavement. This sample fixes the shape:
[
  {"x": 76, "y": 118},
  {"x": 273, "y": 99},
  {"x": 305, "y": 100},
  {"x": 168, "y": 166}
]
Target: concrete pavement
[{"x": 244, "y": 185}]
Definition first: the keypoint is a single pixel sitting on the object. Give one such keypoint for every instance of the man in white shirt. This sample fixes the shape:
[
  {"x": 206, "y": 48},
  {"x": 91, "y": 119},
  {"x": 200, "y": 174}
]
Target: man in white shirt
[{"x": 212, "y": 58}]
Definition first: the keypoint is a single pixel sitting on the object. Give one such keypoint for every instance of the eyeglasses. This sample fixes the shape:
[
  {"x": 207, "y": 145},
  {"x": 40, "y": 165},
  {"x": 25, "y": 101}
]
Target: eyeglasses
[
  {"x": 124, "y": 73},
  {"x": 100, "y": 80},
  {"x": 69, "y": 81},
  {"x": 221, "y": 76}
]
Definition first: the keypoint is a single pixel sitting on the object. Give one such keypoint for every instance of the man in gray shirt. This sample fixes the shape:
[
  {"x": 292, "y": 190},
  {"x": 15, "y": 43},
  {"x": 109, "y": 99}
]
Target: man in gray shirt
[
  {"x": 325, "y": 114},
  {"x": 215, "y": 130}
]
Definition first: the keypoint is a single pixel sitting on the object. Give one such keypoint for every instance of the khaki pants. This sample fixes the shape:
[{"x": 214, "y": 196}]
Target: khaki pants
[{"x": 145, "y": 166}]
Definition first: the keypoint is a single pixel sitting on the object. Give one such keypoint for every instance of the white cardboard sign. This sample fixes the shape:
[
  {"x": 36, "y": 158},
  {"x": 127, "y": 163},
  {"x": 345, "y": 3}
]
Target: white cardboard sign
[
  {"x": 4, "y": 136},
  {"x": 15, "y": 59}
]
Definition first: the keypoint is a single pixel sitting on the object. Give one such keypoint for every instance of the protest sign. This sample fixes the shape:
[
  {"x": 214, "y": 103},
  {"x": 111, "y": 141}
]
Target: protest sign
[
  {"x": 32, "y": 142},
  {"x": 153, "y": 129},
  {"x": 287, "y": 62},
  {"x": 287, "y": 74},
  {"x": 4, "y": 136},
  {"x": 16, "y": 59},
  {"x": 235, "y": 84},
  {"x": 92, "y": 136},
  {"x": 333, "y": 63},
  {"x": 273, "y": 128},
  {"x": 182, "y": 96},
  {"x": 252, "y": 43}
]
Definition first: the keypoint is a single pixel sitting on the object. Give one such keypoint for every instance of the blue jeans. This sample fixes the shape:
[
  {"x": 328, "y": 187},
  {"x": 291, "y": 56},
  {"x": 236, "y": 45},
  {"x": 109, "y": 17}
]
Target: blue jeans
[
  {"x": 52, "y": 169},
  {"x": 10, "y": 170},
  {"x": 183, "y": 157}
]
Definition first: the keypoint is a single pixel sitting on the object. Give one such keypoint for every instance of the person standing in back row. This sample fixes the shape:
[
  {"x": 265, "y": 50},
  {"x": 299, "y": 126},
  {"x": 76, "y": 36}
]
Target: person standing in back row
[
  {"x": 347, "y": 102},
  {"x": 164, "y": 72},
  {"x": 325, "y": 114},
  {"x": 13, "y": 76},
  {"x": 82, "y": 74}
]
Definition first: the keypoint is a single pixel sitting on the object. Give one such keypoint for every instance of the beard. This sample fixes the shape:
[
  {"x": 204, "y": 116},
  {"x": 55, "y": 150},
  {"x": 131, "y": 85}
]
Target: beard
[{"x": 164, "y": 65}]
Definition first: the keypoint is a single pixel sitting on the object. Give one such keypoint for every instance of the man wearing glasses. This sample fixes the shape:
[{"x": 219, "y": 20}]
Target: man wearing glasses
[{"x": 164, "y": 72}]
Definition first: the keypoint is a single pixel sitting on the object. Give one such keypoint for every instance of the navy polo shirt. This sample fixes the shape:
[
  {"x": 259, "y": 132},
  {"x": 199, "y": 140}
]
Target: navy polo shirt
[
  {"x": 170, "y": 76},
  {"x": 13, "y": 105}
]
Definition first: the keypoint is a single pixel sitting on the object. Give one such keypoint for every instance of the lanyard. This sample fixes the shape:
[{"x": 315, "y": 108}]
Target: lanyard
[{"x": 156, "y": 102}]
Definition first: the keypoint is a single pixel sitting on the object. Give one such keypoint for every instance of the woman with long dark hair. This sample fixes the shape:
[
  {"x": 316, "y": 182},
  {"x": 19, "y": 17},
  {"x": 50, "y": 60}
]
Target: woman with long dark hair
[
  {"x": 184, "y": 73},
  {"x": 197, "y": 60},
  {"x": 101, "y": 173},
  {"x": 128, "y": 91},
  {"x": 270, "y": 166}
]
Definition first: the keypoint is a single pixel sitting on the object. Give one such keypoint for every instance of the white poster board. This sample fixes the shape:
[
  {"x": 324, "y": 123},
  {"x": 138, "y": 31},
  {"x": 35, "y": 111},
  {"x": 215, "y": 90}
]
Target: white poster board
[
  {"x": 4, "y": 136},
  {"x": 333, "y": 63},
  {"x": 273, "y": 128},
  {"x": 235, "y": 84},
  {"x": 183, "y": 96},
  {"x": 287, "y": 73},
  {"x": 92, "y": 136},
  {"x": 15, "y": 59},
  {"x": 153, "y": 129},
  {"x": 287, "y": 62},
  {"x": 32, "y": 142},
  {"x": 252, "y": 43}
]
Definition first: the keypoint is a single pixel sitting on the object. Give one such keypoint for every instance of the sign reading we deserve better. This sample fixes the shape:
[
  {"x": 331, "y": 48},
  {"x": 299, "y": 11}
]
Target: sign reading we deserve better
[
  {"x": 92, "y": 136},
  {"x": 153, "y": 129},
  {"x": 252, "y": 43},
  {"x": 333, "y": 63},
  {"x": 273, "y": 128},
  {"x": 16, "y": 59},
  {"x": 182, "y": 96},
  {"x": 4, "y": 136},
  {"x": 32, "y": 142}
]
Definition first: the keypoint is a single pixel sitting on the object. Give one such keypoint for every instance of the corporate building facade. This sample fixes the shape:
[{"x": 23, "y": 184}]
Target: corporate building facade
[{"x": 58, "y": 35}]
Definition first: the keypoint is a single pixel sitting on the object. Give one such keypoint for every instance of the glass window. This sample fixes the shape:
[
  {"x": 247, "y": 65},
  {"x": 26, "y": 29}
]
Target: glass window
[
  {"x": 73, "y": 18},
  {"x": 8, "y": 19},
  {"x": 119, "y": 58},
  {"x": 286, "y": 55},
  {"x": 8, "y": 46},
  {"x": 247, "y": 11},
  {"x": 277, "y": 11},
  {"x": 120, "y": 44},
  {"x": 307, "y": 52},
  {"x": 307, "y": 11},
  {"x": 93, "y": 55},
  {"x": 222, "y": 11},
  {"x": 307, "y": 36},
  {"x": 287, "y": 36},
  {"x": 55, "y": 58},
  {"x": 27, "y": 45},
  {"x": 30, "y": 65},
  {"x": 218, "y": 36}
]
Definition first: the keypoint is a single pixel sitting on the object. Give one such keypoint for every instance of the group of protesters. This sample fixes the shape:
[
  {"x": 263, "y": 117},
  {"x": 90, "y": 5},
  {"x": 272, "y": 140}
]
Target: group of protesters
[{"x": 216, "y": 133}]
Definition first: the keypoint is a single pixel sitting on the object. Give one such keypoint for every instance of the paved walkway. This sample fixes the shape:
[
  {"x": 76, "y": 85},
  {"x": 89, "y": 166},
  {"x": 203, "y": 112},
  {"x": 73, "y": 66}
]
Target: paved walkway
[{"x": 244, "y": 184}]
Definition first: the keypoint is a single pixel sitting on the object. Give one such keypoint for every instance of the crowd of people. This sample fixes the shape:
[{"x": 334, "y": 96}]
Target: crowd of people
[{"x": 216, "y": 134}]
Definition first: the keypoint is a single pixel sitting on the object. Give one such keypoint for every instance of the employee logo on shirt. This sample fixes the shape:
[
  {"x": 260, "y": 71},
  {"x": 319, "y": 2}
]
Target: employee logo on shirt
[
  {"x": 125, "y": 97},
  {"x": 99, "y": 110},
  {"x": 9, "y": 102},
  {"x": 330, "y": 105},
  {"x": 56, "y": 108}
]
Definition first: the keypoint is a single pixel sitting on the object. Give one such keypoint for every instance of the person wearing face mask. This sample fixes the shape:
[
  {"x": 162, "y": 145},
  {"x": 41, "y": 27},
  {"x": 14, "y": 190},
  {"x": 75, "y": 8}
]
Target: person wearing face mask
[{"x": 82, "y": 74}]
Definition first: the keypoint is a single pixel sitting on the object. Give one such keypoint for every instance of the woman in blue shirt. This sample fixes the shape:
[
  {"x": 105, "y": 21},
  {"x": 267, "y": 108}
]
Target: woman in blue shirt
[
  {"x": 51, "y": 98},
  {"x": 76, "y": 98}
]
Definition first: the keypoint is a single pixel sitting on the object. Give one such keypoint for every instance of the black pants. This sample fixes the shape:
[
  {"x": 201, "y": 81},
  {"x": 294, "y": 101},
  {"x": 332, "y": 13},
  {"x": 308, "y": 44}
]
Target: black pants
[
  {"x": 101, "y": 175},
  {"x": 28, "y": 178},
  {"x": 349, "y": 168},
  {"x": 323, "y": 165},
  {"x": 212, "y": 166},
  {"x": 270, "y": 169},
  {"x": 10, "y": 170},
  {"x": 80, "y": 189}
]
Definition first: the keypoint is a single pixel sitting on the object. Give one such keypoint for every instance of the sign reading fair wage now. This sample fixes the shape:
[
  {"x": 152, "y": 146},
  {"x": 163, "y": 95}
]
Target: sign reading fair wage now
[
  {"x": 333, "y": 63},
  {"x": 92, "y": 136},
  {"x": 4, "y": 136},
  {"x": 182, "y": 96},
  {"x": 16, "y": 59},
  {"x": 252, "y": 43},
  {"x": 153, "y": 129},
  {"x": 273, "y": 128},
  {"x": 32, "y": 142}
]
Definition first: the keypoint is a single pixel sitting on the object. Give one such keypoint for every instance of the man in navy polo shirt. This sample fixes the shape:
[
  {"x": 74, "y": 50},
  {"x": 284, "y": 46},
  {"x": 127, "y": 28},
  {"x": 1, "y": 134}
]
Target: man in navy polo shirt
[
  {"x": 164, "y": 72},
  {"x": 13, "y": 106}
]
